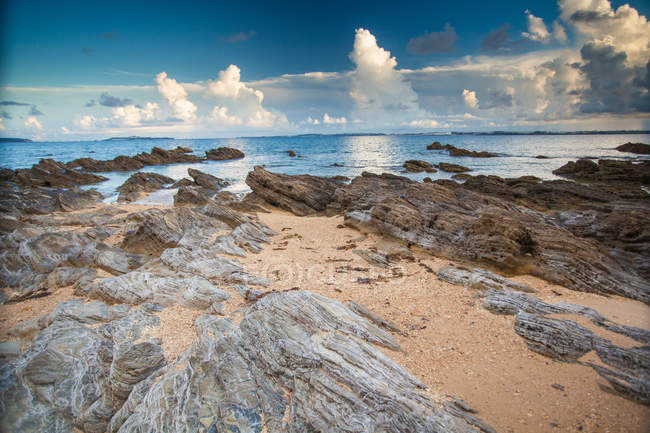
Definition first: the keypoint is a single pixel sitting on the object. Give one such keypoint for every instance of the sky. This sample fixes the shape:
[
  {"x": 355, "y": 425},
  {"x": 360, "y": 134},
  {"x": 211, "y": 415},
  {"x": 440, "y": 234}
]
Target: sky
[{"x": 83, "y": 70}]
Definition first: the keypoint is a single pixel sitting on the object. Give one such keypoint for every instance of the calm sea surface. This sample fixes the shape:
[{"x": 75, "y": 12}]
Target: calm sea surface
[{"x": 378, "y": 154}]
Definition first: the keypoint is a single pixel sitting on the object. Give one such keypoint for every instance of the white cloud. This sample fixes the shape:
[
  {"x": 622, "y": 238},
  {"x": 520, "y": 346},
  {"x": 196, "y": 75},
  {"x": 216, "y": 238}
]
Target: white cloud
[
  {"x": 65, "y": 130},
  {"x": 334, "y": 120},
  {"x": 88, "y": 122},
  {"x": 221, "y": 115},
  {"x": 131, "y": 115},
  {"x": 33, "y": 123},
  {"x": 2, "y": 127},
  {"x": 378, "y": 88},
  {"x": 558, "y": 32},
  {"x": 311, "y": 121},
  {"x": 424, "y": 123},
  {"x": 176, "y": 96},
  {"x": 230, "y": 85},
  {"x": 537, "y": 30},
  {"x": 469, "y": 96},
  {"x": 623, "y": 28}
]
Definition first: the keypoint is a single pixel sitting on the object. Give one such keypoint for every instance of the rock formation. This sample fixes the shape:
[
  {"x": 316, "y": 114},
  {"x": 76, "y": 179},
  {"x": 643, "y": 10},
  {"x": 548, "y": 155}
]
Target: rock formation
[
  {"x": 415, "y": 166},
  {"x": 638, "y": 148},
  {"x": 457, "y": 151},
  {"x": 157, "y": 156},
  {"x": 224, "y": 153},
  {"x": 139, "y": 183}
]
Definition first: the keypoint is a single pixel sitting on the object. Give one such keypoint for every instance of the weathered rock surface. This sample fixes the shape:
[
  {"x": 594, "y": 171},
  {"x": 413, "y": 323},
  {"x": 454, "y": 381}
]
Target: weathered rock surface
[
  {"x": 16, "y": 200},
  {"x": 157, "y": 156},
  {"x": 566, "y": 340},
  {"x": 606, "y": 170},
  {"x": 457, "y": 151},
  {"x": 453, "y": 168},
  {"x": 313, "y": 367},
  {"x": 50, "y": 173},
  {"x": 206, "y": 180},
  {"x": 638, "y": 148},
  {"x": 415, "y": 166},
  {"x": 141, "y": 182},
  {"x": 479, "y": 279},
  {"x": 224, "y": 153},
  {"x": 302, "y": 195},
  {"x": 78, "y": 370},
  {"x": 460, "y": 224}
]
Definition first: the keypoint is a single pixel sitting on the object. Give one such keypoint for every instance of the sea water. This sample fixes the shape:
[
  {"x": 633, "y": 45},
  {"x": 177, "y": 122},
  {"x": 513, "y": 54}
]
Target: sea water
[{"x": 318, "y": 153}]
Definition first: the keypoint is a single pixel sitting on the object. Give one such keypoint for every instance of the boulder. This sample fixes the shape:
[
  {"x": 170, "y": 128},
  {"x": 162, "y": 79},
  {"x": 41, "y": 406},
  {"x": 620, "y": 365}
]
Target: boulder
[
  {"x": 607, "y": 170},
  {"x": 638, "y": 148},
  {"x": 457, "y": 151},
  {"x": 141, "y": 182},
  {"x": 224, "y": 153},
  {"x": 415, "y": 166},
  {"x": 291, "y": 153},
  {"x": 452, "y": 168},
  {"x": 206, "y": 180}
]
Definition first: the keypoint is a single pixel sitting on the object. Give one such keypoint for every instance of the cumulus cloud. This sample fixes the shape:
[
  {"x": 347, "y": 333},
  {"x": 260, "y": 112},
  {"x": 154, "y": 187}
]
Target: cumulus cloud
[
  {"x": 334, "y": 120},
  {"x": 33, "y": 123},
  {"x": 311, "y": 121},
  {"x": 132, "y": 115},
  {"x": 379, "y": 90},
  {"x": 423, "y": 123},
  {"x": 242, "y": 36},
  {"x": 537, "y": 30},
  {"x": 2, "y": 127},
  {"x": 238, "y": 103},
  {"x": 498, "y": 98},
  {"x": 176, "y": 96},
  {"x": 435, "y": 42},
  {"x": 558, "y": 32},
  {"x": 87, "y": 122},
  {"x": 65, "y": 130},
  {"x": 470, "y": 99},
  {"x": 108, "y": 100}
]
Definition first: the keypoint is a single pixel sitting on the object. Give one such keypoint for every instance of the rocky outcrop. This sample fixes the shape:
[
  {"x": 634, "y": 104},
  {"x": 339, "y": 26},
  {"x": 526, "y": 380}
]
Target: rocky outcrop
[
  {"x": 157, "y": 156},
  {"x": 606, "y": 170},
  {"x": 457, "y": 151},
  {"x": 452, "y": 168},
  {"x": 50, "y": 173},
  {"x": 479, "y": 279},
  {"x": 462, "y": 224},
  {"x": 291, "y": 153},
  {"x": 566, "y": 340},
  {"x": 638, "y": 148},
  {"x": 78, "y": 370},
  {"x": 313, "y": 361},
  {"x": 302, "y": 195},
  {"x": 139, "y": 183},
  {"x": 19, "y": 200},
  {"x": 224, "y": 153},
  {"x": 205, "y": 180},
  {"x": 415, "y": 166}
]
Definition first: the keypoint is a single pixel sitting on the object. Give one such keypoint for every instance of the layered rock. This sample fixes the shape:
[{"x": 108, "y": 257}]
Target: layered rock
[
  {"x": 452, "y": 168},
  {"x": 206, "y": 180},
  {"x": 313, "y": 367},
  {"x": 460, "y": 224},
  {"x": 606, "y": 170},
  {"x": 20, "y": 200},
  {"x": 638, "y": 148},
  {"x": 157, "y": 156},
  {"x": 457, "y": 151},
  {"x": 416, "y": 166},
  {"x": 50, "y": 173},
  {"x": 224, "y": 153},
  {"x": 139, "y": 183}
]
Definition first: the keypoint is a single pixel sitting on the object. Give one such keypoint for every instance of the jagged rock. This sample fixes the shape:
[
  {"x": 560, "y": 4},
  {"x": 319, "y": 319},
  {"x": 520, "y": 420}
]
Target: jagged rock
[
  {"x": 17, "y": 200},
  {"x": 302, "y": 195},
  {"x": 247, "y": 293},
  {"x": 252, "y": 235},
  {"x": 313, "y": 367},
  {"x": 291, "y": 153},
  {"x": 224, "y": 153},
  {"x": 141, "y": 182},
  {"x": 192, "y": 195},
  {"x": 606, "y": 170},
  {"x": 76, "y": 375},
  {"x": 157, "y": 156},
  {"x": 638, "y": 148},
  {"x": 94, "y": 218},
  {"x": 415, "y": 166},
  {"x": 182, "y": 182},
  {"x": 463, "y": 225},
  {"x": 51, "y": 173},
  {"x": 142, "y": 287},
  {"x": 206, "y": 180},
  {"x": 480, "y": 279},
  {"x": 452, "y": 168},
  {"x": 456, "y": 151},
  {"x": 461, "y": 176}
]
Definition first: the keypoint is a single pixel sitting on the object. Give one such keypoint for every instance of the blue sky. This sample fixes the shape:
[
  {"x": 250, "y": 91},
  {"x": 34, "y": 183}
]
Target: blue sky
[{"x": 89, "y": 69}]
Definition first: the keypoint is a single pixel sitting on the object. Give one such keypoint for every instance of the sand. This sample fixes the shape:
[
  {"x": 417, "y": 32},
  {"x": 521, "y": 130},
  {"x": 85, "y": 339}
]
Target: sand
[{"x": 451, "y": 343}]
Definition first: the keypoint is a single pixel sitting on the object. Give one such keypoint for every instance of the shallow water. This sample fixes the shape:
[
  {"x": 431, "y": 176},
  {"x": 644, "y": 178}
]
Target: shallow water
[{"x": 357, "y": 153}]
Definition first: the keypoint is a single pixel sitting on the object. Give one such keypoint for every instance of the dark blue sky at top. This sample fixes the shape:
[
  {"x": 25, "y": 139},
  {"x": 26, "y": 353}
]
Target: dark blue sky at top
[{"x": 126, "y": 42}]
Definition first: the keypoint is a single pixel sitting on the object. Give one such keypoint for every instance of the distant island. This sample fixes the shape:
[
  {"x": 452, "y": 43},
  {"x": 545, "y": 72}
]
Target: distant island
[
  {"x": 134, "y": 137},
  {"x": 14, "y": 140}
]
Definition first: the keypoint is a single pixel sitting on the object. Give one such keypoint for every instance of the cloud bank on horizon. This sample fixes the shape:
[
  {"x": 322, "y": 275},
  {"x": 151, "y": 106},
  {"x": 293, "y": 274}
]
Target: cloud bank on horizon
[{"x": 588, "y": 69}]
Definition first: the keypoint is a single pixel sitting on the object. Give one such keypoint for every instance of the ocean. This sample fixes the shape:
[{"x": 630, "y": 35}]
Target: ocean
[{"x": 356, "y": 153}]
